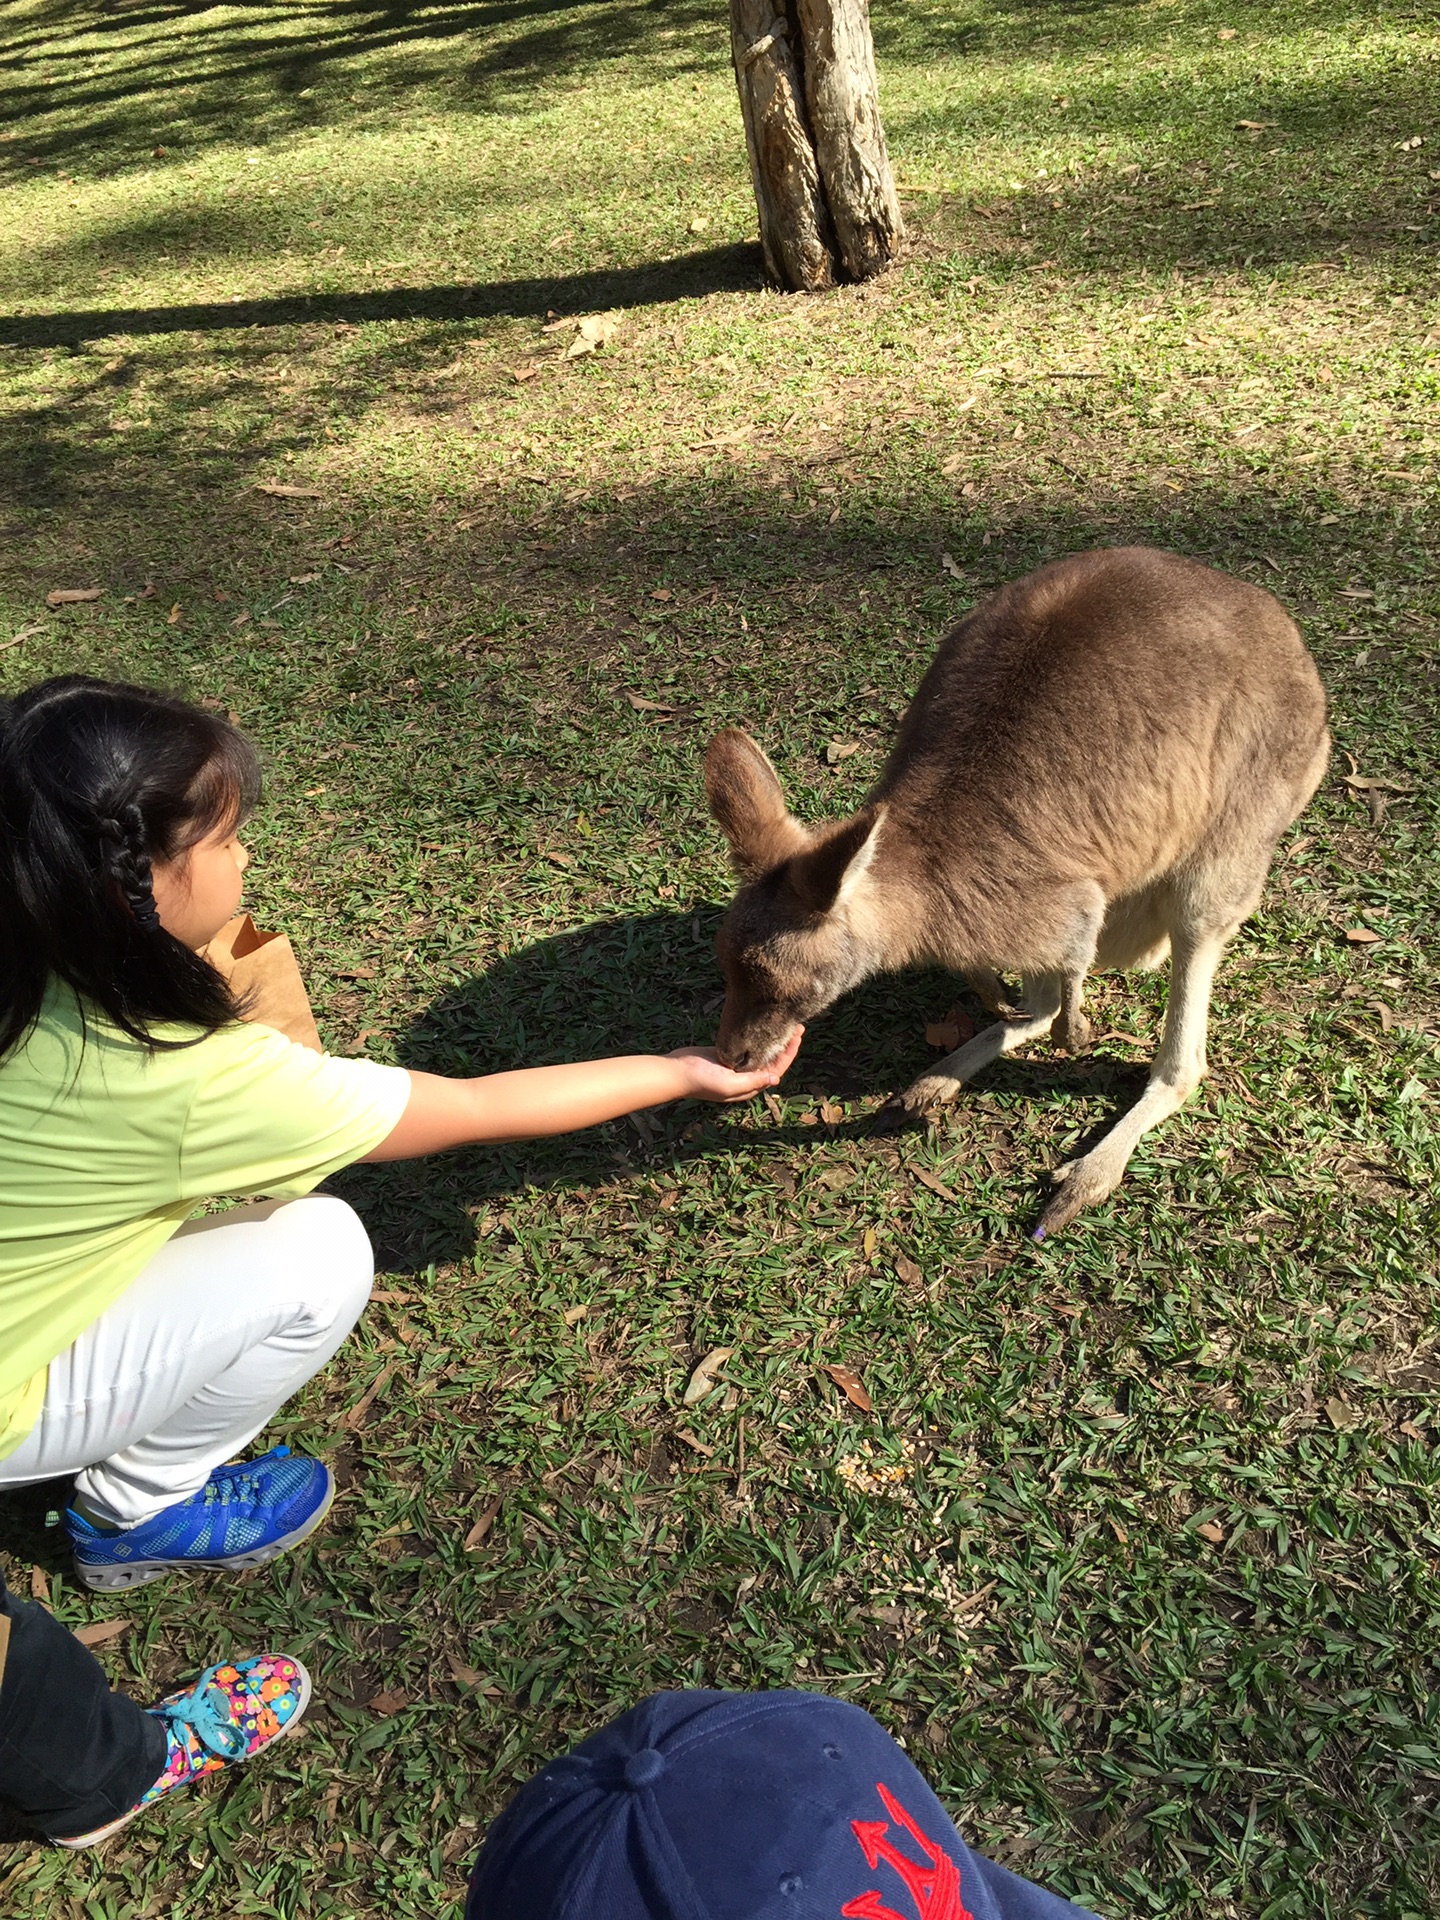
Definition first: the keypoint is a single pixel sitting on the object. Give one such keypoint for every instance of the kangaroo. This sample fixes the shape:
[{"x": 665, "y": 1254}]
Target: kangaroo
[{"x": 1094, "y": 772}]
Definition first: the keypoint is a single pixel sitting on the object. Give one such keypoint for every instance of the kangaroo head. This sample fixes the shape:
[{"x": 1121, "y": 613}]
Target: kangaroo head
[{"x": 793, "y": 938}]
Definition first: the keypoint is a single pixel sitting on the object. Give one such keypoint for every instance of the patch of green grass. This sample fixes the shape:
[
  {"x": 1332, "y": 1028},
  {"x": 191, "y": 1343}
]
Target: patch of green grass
[{"x": 1183, "y": 331}]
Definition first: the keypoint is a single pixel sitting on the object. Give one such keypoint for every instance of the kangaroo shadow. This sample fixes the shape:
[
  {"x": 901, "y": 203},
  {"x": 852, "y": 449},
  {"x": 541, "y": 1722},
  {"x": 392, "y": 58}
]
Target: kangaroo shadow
[{"x": 642, "y": 984}]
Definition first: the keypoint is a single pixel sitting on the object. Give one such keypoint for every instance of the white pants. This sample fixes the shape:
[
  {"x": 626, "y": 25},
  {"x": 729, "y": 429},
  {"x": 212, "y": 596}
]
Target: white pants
[{"x": 230, "y": 1318}]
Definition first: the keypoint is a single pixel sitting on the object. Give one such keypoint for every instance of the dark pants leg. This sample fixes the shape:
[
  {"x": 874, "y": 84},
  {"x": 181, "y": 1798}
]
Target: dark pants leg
[{"x": 73, "y": 1754}]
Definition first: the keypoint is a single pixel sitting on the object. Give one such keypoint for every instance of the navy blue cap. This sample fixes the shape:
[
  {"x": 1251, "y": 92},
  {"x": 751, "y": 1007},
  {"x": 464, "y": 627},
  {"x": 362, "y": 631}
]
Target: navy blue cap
[{"x": 740, "y": 1806}]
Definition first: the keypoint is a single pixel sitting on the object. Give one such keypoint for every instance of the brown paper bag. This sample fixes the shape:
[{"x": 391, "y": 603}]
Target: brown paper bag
[{"x": 262, "y": 970}]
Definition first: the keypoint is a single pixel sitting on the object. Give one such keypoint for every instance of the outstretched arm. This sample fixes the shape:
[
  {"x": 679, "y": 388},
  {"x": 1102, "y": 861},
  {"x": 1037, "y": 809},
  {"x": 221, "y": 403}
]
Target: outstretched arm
[{"x": 540, "y": 1100}]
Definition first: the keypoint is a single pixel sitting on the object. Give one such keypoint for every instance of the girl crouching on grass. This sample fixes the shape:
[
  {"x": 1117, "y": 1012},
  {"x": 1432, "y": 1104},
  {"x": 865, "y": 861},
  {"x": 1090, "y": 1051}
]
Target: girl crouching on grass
[{"x": 142, "y": 1349}]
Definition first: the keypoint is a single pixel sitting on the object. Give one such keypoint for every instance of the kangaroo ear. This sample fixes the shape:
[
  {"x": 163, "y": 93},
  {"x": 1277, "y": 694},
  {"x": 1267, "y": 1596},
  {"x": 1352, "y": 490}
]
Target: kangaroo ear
[
  {"x": 829, "y": 870},
  {"x": 748, "y": 804}
]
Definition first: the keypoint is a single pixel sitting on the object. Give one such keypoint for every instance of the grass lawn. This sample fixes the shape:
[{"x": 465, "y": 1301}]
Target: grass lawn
[{"x": 1139, "y": 1550}]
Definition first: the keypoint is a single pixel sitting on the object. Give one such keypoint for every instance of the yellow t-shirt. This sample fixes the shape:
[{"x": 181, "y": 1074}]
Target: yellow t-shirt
[{"x": 107, "y": 1148}]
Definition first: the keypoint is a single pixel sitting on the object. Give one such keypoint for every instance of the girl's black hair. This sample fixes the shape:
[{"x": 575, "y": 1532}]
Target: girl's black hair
[{"x": 97, "y": 782}]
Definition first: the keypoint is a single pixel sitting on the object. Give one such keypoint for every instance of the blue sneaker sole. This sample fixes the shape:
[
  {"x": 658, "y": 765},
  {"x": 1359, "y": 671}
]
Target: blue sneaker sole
[{"x": 108, "y": 1578}]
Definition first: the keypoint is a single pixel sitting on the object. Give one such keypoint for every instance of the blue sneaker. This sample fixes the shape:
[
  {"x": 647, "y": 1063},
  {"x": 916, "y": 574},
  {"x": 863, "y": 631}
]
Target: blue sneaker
[{"x": 245, "y": 1515}]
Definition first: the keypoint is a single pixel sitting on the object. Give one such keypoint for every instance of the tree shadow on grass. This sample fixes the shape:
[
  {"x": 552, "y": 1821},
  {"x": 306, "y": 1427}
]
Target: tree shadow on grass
[
  {"x": 644, "y": 984},
  {"x": 255, "y": 72},
  {"x": 249, "y": 73},
  {"x": 252, "y": 77},
  {"x": 688, "y": 277}
]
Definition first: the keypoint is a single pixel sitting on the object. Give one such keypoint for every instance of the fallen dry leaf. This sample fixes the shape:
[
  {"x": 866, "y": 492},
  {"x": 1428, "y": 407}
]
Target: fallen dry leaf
[
  {"x": 521, "y": 374},
  {"x": 705, "y": 1378},
  {"x": 1410, "y": 1430},
  {"x": 593, "y": 332},
  {"x": 1362, "y": 936},
  {"x": 574, "y": 1315},
  {"x": 25, "y": 633},
  {"x": 642, "y": 705},
  {"x": 1255, "y": 126},
  {"x": 1208, "y": 1530},
  {"x": 851, "y": 1386},
  {"x": 391, "y": 1701},
  {"x": 662, "y": 593},
  {"x": 907, "y": 1271},
  {"x": 1119, "y": 1532},
  {"x": 462, "y": 1675},
  {"x": 462, "y": 1838},
  {"x": 952, "y": 566},
  {"x": 40, "y": 1586},
  {"x": 830, "y": 1113},
  {"x": 1366, "y": 783},
  {"x": 870, "y": 1240},
  {"x": 1342, "y": 1416},
  {"x": 698, "y": 1445},
  {"x": 936, "y": 1185},
  {"x": 360, "y": 1412},
  {"x": 175, "y": 615},
  {"x": 839, "y": 750},
  {"x": 1226, "y": 33},
  {"x": 484, "y": 1520},
  {"x": 71, "y": 596},
  {"x": 773, "y": 1106},
  {"x": 285, "y": 491},
  {"x": 99, "y": 1633},
  {"x": 953, "y": 1031},
  {"x": 722, "y": 439}
]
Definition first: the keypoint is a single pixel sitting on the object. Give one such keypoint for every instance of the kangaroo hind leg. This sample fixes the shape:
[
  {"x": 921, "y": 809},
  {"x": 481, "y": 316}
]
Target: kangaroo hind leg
[{"x": 1178, "y": 1069}]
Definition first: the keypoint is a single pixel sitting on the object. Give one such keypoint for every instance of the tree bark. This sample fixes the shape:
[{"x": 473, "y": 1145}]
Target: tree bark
[
  {"x": 795, "y": 230},
  {"x": 842, "y": 94},
  {"x": 810, "y": 102}
]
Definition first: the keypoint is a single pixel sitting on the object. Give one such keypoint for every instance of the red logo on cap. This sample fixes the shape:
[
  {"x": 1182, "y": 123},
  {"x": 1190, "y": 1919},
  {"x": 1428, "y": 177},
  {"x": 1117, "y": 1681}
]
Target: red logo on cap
[{"x": 935, "y": 1888}]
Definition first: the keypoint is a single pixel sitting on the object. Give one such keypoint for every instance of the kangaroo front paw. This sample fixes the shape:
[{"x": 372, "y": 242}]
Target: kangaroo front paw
[
  {"x": 930, "y": 1090},
  {"x": 1078, "y": 1184}
]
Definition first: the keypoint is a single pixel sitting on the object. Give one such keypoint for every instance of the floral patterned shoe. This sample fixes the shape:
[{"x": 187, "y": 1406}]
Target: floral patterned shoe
[{"x": 227, "y": 1716}]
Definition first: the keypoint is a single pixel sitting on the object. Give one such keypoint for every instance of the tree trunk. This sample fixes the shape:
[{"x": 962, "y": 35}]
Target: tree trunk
[
  {"x": 843, "y": 98},
  {"x": 795, "y": 228},
  {"x": 810, "y": 101}
]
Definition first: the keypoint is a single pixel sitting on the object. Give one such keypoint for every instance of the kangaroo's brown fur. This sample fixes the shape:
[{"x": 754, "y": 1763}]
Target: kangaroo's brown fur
[{"x": 1094, "y": 772}]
